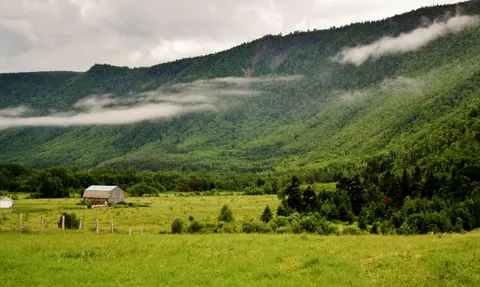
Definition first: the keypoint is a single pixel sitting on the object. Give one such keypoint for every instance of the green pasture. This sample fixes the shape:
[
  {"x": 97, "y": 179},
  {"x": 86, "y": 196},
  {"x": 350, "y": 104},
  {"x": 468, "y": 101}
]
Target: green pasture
[
  {"x": 154, "y": 218},
  {"x": 87, "y": 259}
]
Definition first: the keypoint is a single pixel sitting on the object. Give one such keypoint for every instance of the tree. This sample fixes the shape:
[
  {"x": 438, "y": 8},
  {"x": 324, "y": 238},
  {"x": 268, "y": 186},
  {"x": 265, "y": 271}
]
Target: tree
[
  {"x": 266, "y": 215},
  {"x": 355, "y": 192},
  {"x": 294, "y": 196},
  {"x": 363, "y": 219},
  {"x": 226, "y": 214},
  {"x": 405, "y": 184},
  {"x": 141, "y": 189},
  {"x": 281, "y": 211},
  {"x": 310, "y": 201}
]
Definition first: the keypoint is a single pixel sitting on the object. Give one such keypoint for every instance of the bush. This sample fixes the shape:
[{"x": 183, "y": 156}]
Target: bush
[
  {"x": 226, "y": 214},
  {"x": 227, "y": 228},
  {"x": 249, "y": 190},
  {"x": 195, "y": 227},
  {"x": 351, "y": 230},
  {"x": 177, "y": 226},
  {"x": 375, "y": 228},
  {"x": 141, "y": 189},
  {"x": 71, "y": 221},
  {"x": 256, "y": 227},
  {"x": 278, "y": 222}
]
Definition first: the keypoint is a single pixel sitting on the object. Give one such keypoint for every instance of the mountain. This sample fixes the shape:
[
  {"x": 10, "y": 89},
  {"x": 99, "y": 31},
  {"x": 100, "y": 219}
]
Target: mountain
[{"x": 279, "y": 103}]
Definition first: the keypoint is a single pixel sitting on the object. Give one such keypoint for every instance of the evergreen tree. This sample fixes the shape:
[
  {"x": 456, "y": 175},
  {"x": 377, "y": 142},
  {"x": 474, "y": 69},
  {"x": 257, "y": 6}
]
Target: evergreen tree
[
  {"x": 310, "y": 200},
  {"x": 355, "y": 192},
  {"x": 226, "y": 214},
  {"x": 281, "y": 211},
  {"x": 266, "y": 215},
  {"x": 417, "y": 175},
  {"x": 363, "y": 219},
  {"x": 405, "y": 184},
  {"x": 294, "y": 196}
]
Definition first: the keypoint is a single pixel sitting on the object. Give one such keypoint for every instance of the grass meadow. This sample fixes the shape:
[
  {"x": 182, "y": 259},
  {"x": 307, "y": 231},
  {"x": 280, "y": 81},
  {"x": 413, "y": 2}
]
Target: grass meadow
[
  {"x": 83, "y": 258},
  {"x": 86, "y": 259},
  {"x": 155, "y": 218}
]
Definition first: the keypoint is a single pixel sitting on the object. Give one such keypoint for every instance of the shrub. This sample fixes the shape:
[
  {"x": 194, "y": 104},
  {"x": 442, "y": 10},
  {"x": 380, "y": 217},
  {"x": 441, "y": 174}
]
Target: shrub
[
  {"x": 250, "y": 190},
  {"x": 89, "y": 206},
  {"x": 278, "y": 222},
  {"x": 308, "y": 224},
  {"x": 266, "y": 215},
  {"x": 177, "y": 226},
  {"x": 256, "y": 227},
  {"x": 351, "y": 230},
  {"x": 71, "y": 221},
  {"x": 227, "y": 228},
  {"x": 226, "y": 214},
  {"x": 374, "y": 229},
  {"x": 195, "y": 227}
]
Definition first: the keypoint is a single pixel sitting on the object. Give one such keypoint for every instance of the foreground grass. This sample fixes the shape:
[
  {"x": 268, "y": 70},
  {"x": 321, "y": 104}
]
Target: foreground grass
[
  {"x": 81, "y": 259},
  {"x": 153, "y": 219}
]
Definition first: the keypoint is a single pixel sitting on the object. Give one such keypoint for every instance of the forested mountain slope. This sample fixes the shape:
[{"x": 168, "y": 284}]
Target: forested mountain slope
[{"x": 415, "y": 108}]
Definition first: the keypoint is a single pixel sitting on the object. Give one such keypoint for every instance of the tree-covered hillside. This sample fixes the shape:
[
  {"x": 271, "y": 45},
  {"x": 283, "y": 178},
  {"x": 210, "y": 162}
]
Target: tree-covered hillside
[{"x": 416, "y": 108}]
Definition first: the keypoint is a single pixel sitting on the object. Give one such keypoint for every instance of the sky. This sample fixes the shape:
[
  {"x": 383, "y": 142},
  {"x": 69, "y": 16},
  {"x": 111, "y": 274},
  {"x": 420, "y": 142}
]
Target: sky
[{"x": 41, "y": 35}]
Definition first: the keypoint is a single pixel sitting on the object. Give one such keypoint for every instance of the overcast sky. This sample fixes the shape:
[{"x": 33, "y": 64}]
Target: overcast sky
[{"x": 75, "y": 34}]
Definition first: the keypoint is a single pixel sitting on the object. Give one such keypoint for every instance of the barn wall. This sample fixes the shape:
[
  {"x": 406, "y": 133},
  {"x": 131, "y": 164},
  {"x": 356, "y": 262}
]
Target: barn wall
[{"x": 116, "y": 195}]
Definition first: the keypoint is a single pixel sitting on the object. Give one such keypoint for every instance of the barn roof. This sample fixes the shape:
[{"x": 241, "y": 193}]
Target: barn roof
[
  {"x": 6, "y": 199},
  {"x": 101, "y": 187},
  {"x": 98, "y": 191}
]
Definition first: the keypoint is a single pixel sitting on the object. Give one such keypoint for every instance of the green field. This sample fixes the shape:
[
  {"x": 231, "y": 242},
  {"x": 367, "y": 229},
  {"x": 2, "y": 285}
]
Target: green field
[
  {"x": 238, "y": 260},
  {"x": 153, "y": 219},
  {"x": 83, "y": 258}
]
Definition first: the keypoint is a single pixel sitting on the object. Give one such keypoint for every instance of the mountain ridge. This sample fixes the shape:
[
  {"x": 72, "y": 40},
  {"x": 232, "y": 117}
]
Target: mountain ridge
[{"x": 315, "y": 122}]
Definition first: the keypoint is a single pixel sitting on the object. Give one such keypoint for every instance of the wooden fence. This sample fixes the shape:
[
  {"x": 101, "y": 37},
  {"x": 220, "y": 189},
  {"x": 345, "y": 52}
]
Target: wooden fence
[{"x": 21, "y": 227}]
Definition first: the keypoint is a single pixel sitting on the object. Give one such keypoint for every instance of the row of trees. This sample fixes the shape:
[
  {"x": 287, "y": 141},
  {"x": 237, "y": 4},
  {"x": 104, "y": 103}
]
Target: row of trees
[{"x": 416, "y": 202}]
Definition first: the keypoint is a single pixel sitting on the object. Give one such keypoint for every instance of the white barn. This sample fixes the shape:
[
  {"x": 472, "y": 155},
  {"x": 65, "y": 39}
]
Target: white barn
[
  {"x": 103, "y": 195},
  {"x": 6, "y": 203}
]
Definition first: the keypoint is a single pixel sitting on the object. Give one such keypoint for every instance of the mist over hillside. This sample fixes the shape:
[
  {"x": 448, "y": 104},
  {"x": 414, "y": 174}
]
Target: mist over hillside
[{"x": 405, "y": 88}]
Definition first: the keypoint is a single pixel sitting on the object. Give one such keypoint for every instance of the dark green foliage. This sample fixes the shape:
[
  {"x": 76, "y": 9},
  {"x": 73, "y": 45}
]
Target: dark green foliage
[
  {"x": 310, "y": 201},
  {"x": 355, "y": 192},
  {"x": 226, "y": 214},
  {"x": 281, "y": 211},
  {"x": 71, "y": 221},
  {"x": 177, "y": 226},
  {"x": 141, "y": 189},
  {"x": 363, "y": 219},
  {"x": 195, "y": 227},
  {"x": 294, "y": 197},
  {"x": 266, "y": 215},
  {"x": 255, "y": 227}
]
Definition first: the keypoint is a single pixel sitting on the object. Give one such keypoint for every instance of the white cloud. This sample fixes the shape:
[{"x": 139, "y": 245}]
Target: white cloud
[
  {"x": 406, "y": 42},
  {"x": 197, "y": 96}
]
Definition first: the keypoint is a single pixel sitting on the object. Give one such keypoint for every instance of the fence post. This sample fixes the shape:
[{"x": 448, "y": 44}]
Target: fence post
[
  {"x": 96, "y": 222},
  {"x": 141, "y": 231},
  {"x": 42, "y": 222},
  {"x": 21, "y": 222},
  {"x": 111, "y": 226},
  {"x": 129, "y": 231},
  {"x": 81, "y": 223},
  {"x": 63, "y": 222}
]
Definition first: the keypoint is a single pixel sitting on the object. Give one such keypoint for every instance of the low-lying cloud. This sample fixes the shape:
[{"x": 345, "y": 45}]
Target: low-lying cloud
[
  {"x": 164, "y": 103},
  {"x": 406, "y": 42}
]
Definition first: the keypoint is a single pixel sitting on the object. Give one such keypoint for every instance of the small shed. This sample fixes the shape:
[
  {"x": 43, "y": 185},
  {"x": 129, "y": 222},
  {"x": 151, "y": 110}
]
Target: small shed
[
  {"x": 6, "y": 203},
  {"x": 102, "y": 195}
]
